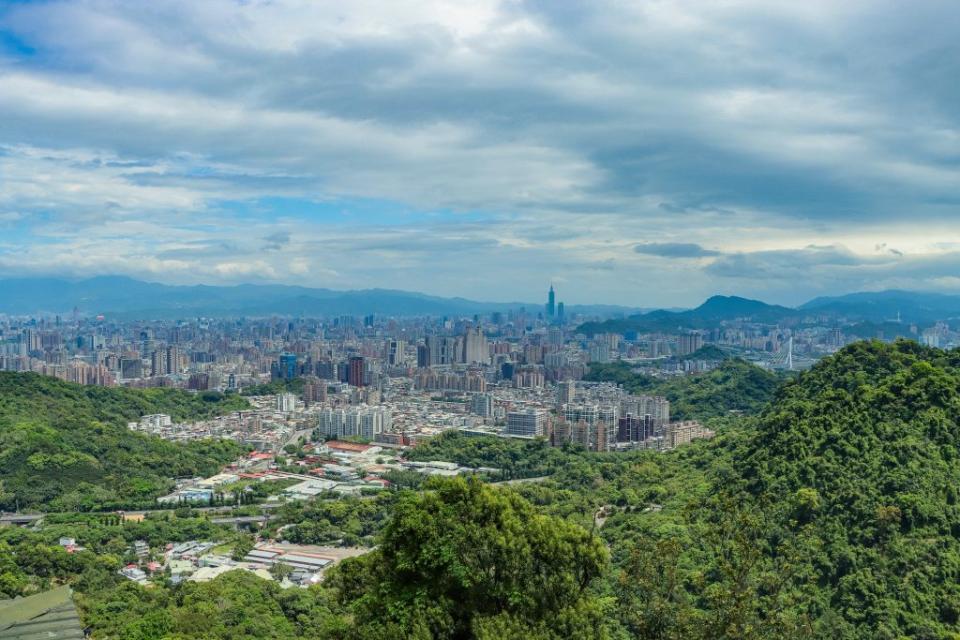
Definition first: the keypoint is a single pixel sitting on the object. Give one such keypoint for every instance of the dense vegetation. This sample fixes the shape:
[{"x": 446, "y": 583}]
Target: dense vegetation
[
  {"x": 460, "y": 560},
  {"x": 733, "y": 386},
  {"x": 67, "y": 447},
  {"x": 706, "y": 352},
  {"x": 833, "y": 516},
  {"x": 860, "y": 458},
  {"x": 512, "y": 458},
  {"x": 237, "y": 605},
  {"x": 348, "y": 521},
  {"x": 833, "y": 513},
  {"x": 291, "y": 385},
  {"x": 465, "y": 560}
]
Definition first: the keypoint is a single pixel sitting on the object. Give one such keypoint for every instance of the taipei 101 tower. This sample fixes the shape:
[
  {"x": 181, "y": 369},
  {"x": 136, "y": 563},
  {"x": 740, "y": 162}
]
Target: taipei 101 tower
[{"x": 551, "y": 303}]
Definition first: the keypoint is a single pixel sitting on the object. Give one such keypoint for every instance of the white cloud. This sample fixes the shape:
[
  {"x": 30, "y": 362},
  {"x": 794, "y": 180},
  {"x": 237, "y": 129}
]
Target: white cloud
[{"x": 510, "y": 141}]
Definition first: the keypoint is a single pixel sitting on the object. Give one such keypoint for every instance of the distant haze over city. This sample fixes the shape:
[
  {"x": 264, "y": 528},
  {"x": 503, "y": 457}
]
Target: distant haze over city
[
  {"x": 647, "y": 154},
  {"x": 126, "y": 298}
]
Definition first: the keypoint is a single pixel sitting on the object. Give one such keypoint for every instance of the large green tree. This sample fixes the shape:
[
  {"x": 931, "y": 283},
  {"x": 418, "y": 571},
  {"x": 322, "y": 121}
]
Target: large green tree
[{"x": 464, "y": 560}]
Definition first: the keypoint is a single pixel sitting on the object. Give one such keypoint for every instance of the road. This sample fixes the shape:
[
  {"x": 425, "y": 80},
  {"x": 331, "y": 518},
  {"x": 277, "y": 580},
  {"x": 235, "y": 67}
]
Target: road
[
  {"x": 522, "y": 480},
  {"x": 296, "y": 435}
]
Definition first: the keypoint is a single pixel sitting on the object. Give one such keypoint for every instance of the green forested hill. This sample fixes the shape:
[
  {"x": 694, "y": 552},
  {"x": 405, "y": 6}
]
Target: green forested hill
[
  {"x": 735, "y": 385},
  {"x": 706, "y": 352},
  {"x": 66, "y": 446},
  {"x": 831, "y": 514},
  {"x": 861, "y": 456}
]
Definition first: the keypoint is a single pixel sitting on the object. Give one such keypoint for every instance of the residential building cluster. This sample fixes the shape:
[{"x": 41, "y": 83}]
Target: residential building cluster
[{"x": 394, "y": 381}]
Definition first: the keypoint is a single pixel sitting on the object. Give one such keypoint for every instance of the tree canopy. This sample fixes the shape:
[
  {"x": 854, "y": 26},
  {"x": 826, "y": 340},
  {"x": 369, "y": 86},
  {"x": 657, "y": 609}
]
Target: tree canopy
[
  {"x": 67, "y": 447},
  {"x": 733, "y": 386},
  {"x": 464, "y": 559}
]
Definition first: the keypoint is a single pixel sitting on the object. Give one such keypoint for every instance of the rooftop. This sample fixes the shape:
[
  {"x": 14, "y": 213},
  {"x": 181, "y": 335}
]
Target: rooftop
[{"x": 50, "y": 615}]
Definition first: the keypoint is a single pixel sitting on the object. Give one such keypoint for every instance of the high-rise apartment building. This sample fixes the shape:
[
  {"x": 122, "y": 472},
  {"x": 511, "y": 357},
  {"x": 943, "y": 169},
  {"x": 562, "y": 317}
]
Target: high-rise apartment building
[
  {"x": 362, "y": 420},
  {"x": 174, "y": 359},
  {"x": 286, "y": 402},
  {"x": 395, "y": 353},
  {"x": 158, "y": 363},
  {"x": 633, "y": 428},
  {"x": 657, "y": 407},
  {"x": 314, "y": 392},
  {"x": 599, "y": 352},
  {"x": 482, "y": 405},
  {"x": 527, "y": 424},
  {"x": 529, "y": 376},
  {"x": 566, "y": 392},
  {"x": 355, "y": 374},
  {"x": 591, "y": 425},
  {"x": 439, "y": 350},
  {"x": 475, "y": 349},
  {"x": 688, "y": 343}
]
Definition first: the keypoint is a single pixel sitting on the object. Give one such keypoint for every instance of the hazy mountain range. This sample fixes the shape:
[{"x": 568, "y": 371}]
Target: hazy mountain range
[
  {"x": 881, "y": 308},
  {"x": 119, "y": 296}
]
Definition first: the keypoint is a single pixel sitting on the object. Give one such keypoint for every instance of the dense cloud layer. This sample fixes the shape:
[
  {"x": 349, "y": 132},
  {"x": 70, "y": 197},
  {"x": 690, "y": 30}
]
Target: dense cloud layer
[{"x": 644, "y": 153}]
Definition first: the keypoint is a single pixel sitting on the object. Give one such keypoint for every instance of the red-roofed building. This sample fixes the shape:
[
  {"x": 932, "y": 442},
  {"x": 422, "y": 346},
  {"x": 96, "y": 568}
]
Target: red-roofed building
[{"x": 351, "y": 447}]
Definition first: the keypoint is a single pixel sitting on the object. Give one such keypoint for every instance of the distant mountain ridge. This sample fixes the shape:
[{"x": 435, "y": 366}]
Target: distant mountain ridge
[
  {"x": 909, "y": 306},
  {"x": 735, "y": 306},
  {"x": 128, "y": 297},
  {"x": 714, "y": 310},
  {"x": 881, "y": 307},
  {"x": 121, "y": 296}
]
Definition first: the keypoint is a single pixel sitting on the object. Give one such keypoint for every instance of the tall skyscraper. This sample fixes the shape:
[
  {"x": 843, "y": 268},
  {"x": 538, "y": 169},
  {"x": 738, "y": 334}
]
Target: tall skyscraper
[
  {"x": 158, "y": 363},
  {"x": 174, "y": 359},
  {"x": 131, "y": 368},
  {"x": 286, "y": 402},
  {"x": 286, "y": 367},
  {"x": 551, "y": 303},
  {"x": 475, "y": 349},
  {"x": 396, "y": 356},
  {"x": 441, "y": 350}
]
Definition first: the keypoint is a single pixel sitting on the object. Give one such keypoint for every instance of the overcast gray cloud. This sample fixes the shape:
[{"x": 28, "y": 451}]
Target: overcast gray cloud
[
  {"x": 675, "y": 250},
  {"x": 485, "y": 148}
]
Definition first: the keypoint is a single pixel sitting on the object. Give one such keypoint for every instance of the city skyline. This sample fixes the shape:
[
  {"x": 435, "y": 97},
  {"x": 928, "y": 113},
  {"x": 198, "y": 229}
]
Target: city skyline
[{"x": 654, "y": 154}]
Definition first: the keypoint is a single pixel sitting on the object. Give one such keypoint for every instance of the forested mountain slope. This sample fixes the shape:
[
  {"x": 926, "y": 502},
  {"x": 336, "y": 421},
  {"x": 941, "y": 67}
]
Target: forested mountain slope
[
  {"x": 834, "y": 515},
  {"x": 67, "y": 446},
  {"x": 733, "y": 386},
  {"x": 862, "y": 454}
]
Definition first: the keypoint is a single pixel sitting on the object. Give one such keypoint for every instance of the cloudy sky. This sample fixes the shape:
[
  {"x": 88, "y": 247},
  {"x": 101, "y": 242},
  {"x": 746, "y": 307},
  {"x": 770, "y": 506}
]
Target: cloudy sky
[{"x": 645, "y": 153}]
